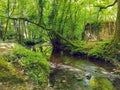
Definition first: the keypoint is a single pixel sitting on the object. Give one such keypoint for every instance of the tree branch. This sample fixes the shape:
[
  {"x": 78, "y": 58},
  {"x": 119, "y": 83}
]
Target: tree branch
[
  {"x": 101, "y": 7},
  {"x": 25, "y": 19},
  {"x": 105, "y": 7},
  {"x": 48, "y": 29}
]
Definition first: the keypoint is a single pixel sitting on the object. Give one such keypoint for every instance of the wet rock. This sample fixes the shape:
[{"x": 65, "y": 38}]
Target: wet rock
[
  {"x": 79, "y": 79},
  {"x": 88, "y": 76},
  {"x": 53, "y": 66},
  {"x": 79, "y": 76},
  {"x": 64, "y": 81},
  {"x": 116, "y": 83}
]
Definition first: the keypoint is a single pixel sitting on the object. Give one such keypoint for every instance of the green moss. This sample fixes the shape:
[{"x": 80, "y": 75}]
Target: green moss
[
  {"x": 99, "y": 49},
  {"x": 8, "y": 73},
  {"x": 32, "y": 66},
  {"x": 100, "y": 83},
  {"x": 96, "y": 51},
  {"x": 34, "y": 63}
]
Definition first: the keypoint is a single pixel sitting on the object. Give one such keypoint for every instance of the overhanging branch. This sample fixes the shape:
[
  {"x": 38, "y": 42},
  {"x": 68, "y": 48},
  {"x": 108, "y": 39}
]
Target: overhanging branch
[
  {"x": 25, "y": 19},
  {"x": 101, "y": 7},
  {"x": 48, "y": 29},
  {"x": 105, "y": 7}
]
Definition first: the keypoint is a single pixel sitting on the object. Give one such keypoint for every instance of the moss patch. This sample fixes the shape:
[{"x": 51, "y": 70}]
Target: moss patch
[
  {"x": 23, "y": 65},
  {"x": 8, "y": 73},
  {"x": 101, "y": 50},
  {"x": 100, "y": 83}
]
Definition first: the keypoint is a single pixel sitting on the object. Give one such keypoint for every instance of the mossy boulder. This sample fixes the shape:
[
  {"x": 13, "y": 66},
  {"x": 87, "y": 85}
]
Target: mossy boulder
[
  {"x": 23, "y": 65},
  {"x": 8, "y": 73},
  {"x": 100, "y": 83},
  {"x": 34, "y": 64}
]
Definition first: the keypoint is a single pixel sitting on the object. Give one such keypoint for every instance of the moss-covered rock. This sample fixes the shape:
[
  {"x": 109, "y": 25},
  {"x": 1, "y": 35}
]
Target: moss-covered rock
[
  {"x": 35, "y": 64},
  {"x": 8, "y": 73},
  {"x": 23, "y": 65},
  {"x": 100, "y": 83}
]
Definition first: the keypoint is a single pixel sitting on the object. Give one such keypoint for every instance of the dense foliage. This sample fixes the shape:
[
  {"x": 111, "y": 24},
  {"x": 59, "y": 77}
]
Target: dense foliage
[
  {"x": 78, "y": 27},
  {"x": 67, "y": 17}
]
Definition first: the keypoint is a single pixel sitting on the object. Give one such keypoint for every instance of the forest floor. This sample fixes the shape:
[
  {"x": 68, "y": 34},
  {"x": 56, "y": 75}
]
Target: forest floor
[
  {"x": 8, "y": 73},
  {"x": 13, "y": 75}
]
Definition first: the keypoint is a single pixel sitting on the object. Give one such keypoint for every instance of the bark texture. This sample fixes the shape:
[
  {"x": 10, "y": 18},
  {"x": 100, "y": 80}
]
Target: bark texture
[{"x": 116, "y": 38}]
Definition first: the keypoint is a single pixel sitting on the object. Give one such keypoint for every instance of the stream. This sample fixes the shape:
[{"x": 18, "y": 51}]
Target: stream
[{"x": 75, "y": 73}]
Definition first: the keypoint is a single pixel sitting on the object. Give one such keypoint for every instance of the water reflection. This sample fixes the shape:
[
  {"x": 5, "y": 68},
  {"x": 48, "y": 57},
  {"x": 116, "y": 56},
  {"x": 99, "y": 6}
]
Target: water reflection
[{"x": 82, "y": 74}]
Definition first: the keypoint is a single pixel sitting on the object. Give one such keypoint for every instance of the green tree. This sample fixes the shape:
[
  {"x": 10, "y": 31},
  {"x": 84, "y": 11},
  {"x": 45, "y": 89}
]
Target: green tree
[{"x": 62, "y": 20}]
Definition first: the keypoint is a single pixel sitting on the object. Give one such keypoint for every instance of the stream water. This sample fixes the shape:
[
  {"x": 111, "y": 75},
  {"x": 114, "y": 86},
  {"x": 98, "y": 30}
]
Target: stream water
[{"x": 74, "y": 73}]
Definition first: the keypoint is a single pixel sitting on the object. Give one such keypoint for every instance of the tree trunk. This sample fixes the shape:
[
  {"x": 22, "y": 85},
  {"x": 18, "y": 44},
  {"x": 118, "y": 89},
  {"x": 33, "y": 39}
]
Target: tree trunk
[
  {"x": 116, "y": 38},
  {"x": 57, "y": 46}
]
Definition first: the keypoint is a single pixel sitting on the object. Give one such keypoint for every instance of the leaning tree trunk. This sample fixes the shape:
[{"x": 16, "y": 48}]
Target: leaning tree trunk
[
  {"x": 59, "y": 43},
  {"x": 57, "y": 46},
  {"x": 116, "y": 38}
]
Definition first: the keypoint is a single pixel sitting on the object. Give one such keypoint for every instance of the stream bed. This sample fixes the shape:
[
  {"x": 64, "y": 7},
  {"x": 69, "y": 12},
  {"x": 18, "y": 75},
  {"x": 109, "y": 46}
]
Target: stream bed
[{"x": 74, "y": 73}]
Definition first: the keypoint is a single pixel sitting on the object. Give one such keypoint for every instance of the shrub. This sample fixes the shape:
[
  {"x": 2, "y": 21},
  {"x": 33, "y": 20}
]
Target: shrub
[{"x": 34, "y": 63}]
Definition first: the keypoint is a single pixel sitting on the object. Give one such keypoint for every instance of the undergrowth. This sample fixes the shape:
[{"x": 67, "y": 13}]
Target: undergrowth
[
  {"x": 8, "y": 73},
  {"x": 99, "y": 50},
  {"x": 33, "y": 64}
]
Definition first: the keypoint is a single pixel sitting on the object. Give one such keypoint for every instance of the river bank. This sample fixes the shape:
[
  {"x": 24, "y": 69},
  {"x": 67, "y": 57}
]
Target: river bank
[{"x": 96, "y": 51}]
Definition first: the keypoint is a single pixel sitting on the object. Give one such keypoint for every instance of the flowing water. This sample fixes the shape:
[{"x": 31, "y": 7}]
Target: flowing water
[{"x": 74, "y": 73}]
